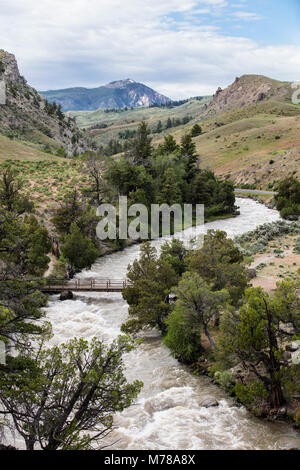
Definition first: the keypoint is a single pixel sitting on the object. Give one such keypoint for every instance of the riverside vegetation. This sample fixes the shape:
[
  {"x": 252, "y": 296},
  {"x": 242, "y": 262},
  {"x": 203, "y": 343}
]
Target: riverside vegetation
[
  {"x": 216, "y": 323},
  {"x": 64, "y": 397},
  {"x": 219, "y": 324},
  {"x": 65, "y": 385},
  {"x": 76, "y": 386}
]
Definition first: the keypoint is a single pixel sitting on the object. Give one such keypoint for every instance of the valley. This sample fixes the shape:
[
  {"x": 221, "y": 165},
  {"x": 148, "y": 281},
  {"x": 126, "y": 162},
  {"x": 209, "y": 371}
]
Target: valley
[
  {"x": 249, "y": 141},
  {"x": 217, "y": 310}
]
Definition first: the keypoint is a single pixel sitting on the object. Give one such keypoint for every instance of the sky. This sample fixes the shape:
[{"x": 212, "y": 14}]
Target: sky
[{"x": 180, "y": 48}]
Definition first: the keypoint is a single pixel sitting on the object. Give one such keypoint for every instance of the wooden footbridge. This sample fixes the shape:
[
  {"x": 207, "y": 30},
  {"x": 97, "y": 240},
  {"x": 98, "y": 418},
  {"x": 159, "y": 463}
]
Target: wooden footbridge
[{"x": 56, "y": 286}]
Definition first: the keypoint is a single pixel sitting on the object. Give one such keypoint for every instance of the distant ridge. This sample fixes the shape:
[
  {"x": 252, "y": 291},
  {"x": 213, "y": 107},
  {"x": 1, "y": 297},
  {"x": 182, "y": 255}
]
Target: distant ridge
[{"x": 117, "y": 94}]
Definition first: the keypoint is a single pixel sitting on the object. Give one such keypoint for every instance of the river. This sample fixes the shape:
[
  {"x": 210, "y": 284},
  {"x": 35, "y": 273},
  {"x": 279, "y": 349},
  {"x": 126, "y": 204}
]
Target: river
[{"x": 168, "y": 412}]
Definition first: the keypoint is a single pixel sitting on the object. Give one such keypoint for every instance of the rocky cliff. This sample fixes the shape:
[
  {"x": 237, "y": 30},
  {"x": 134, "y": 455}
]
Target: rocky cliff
[
  {"x": 26, "y": 115},
  {"x": 248, "y": 90}
]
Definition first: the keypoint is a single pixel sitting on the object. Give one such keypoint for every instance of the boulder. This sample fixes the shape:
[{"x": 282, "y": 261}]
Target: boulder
[
  {"x": 261, "y": 96},
  {"x": 293, "y": 347},
  {"x": 252, "y": 273},
  {"x": 281, "y": 413},
  {"x": 66, "y": 295},
  {"x": 286, "y": 356},
  {"x": 296, "y": 357},
  {"x": 210, "y": 403},
  {"x": 287, "y": 328}
]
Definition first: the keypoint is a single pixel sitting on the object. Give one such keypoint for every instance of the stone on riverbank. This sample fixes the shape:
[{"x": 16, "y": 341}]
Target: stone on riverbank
[
  {"x": 66, "y": 295},
  {"x": 210, "y": 403}
]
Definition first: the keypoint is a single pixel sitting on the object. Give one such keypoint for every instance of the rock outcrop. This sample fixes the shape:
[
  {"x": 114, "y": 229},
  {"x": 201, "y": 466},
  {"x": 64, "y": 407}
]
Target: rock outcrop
[
  {"x": 248, "y": 90},
  {"x": 26, "y": 115},
  {"x": 294, "y": 350}
]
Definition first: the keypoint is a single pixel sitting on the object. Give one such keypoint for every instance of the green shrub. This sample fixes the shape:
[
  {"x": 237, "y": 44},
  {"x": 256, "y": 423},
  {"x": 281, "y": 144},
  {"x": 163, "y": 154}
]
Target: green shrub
[
  {"x": 60, "y": 152},
  {"x": 225, "y": 379},
  {"x": 250, "y": 394},
  {"x": 297, "y": 246}
]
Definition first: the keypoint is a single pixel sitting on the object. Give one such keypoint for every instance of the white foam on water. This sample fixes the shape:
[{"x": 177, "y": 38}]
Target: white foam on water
[{"x": 168, "y": 413}]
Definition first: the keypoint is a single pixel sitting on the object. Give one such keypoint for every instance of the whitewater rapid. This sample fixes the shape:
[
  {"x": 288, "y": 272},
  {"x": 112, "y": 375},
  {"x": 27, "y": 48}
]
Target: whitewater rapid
[{"x": 168, "y": 412}]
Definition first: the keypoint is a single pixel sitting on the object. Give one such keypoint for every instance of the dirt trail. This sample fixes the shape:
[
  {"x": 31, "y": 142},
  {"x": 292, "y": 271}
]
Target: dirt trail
[{"x": 51, "y": 265}]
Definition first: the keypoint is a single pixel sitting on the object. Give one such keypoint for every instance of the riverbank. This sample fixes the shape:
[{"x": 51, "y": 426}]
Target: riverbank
[
  {"x": 274, "y": 251},
  {"x": 257, "y": 281},
  {"x": 169, "y": 412},
  {"x": 226, "y": 380},
  {"x": 56, "y": 269},
  {"x": 266, "y": 199}
]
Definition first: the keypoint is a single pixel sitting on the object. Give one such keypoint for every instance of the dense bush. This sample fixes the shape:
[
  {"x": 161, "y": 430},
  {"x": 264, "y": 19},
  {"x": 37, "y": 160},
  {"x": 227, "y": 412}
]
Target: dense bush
[
  {"x": 288, "y": 198},
  {"x": 257, "y": 240}
]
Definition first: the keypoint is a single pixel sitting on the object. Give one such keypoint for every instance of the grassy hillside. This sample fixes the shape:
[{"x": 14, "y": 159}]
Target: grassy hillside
[
  {"x": 121, "y": 120},
  {"x": 18, "y": 150},
  {"x": 47, "y": 179},
  {"x": 250, "y": 129},
  {"x": 255, "y": 145}
]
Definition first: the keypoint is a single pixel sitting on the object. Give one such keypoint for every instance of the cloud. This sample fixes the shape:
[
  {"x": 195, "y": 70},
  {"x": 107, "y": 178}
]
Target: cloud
[
  {"x": 171, "y": 45},
  {"x": 248, "y": 16}
]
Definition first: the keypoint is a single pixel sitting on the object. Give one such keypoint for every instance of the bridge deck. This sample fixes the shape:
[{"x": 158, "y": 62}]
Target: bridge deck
[{"x": 84, "y": 285}]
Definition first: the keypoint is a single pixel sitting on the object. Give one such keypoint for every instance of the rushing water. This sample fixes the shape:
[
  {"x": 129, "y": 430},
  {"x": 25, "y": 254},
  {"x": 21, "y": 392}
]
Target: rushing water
[{"x": 168, "y": 412}]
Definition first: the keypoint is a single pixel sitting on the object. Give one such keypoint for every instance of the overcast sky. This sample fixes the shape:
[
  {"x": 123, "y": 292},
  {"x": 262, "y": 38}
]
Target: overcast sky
[{"x": 179, "y": 47}]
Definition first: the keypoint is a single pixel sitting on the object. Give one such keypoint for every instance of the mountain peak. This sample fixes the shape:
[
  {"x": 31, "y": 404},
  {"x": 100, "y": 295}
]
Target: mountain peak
[
  {"x": 117, "y": 94},
  {"x": 120, "y": 83}
]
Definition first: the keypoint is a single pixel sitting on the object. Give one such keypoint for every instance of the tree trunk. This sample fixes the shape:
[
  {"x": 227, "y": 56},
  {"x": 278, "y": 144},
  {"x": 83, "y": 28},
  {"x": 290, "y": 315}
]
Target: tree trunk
[
  {"x": 209, "y": 337},
  {"x": 29, "y": 444},
  {"x": 53, "y": 444},
  {"x": 276, "y": 396}
]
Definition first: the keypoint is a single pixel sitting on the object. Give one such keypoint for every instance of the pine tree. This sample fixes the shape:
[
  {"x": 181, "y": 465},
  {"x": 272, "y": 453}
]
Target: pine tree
[
  {"x": 78, "y": 249},
  {"x": 11, "y": 197},
  {"x": 169, "y": 145},
  {"x": 159, "y": 127},
  {"x": 170, "y": 192},
  {"x": 188, "y": 152},
  {"x": 169, "y": 124},
  {"x": 142, "y": 148},
  {"x": 196, "y": 130}
]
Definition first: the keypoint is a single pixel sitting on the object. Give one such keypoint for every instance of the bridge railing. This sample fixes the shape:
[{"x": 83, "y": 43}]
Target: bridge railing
[{"x": 89, "y": 284}]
